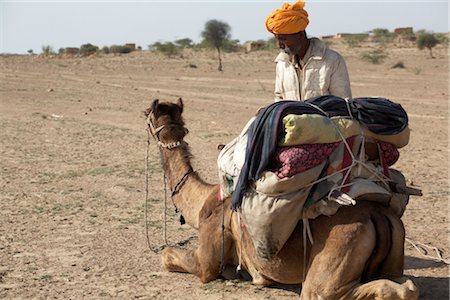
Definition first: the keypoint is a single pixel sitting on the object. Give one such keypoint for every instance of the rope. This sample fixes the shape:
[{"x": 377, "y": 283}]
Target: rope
[
  {"x": 241, "y": 236},
  {"x": 154, "y": 249},
  {"x": 348, "y": 107},
  {"x": 157, "y": 249},
  {"x": 165, "y": 206},
  {"x": 424, "y": 249},
  {"x": 180, "y": 183},
  {"x": 305, "y": 243},
  {"x": 381, "y": 177},
  {"x": 146, "y": 192}
]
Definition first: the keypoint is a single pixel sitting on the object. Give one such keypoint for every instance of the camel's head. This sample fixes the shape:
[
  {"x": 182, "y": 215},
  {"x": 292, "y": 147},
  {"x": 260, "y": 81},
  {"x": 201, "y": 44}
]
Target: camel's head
[{"x": 165, "y": 121}]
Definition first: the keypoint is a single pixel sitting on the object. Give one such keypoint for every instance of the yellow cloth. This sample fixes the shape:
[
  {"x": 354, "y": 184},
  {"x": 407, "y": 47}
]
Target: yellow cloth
[
  {"x": 288, "y": 20},
  {"x": 317, "y": 129}
]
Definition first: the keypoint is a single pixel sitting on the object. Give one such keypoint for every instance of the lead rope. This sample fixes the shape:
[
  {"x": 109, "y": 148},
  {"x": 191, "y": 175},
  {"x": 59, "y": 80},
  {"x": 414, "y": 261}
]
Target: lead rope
[
  {"x": 165, "y": 201},
  {"x": 146, "y": 191},
  {"x": 154, "y": 249},
  {"x": 151, "y": 130},
  {"x": 166, "y": 243}
]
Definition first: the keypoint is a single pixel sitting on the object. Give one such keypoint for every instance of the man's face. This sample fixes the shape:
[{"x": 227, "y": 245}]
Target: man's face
[{"x": 290, "y": 43}]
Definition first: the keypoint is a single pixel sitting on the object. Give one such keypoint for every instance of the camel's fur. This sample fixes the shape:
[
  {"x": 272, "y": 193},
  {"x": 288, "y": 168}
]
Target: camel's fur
[{"x": 357, "y": 253}]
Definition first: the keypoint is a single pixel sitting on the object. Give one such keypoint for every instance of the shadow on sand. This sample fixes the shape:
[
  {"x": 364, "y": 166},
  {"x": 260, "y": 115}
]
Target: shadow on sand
[
  {"x": 421, "y": 263},
  {"x": 431, "y": 288}
]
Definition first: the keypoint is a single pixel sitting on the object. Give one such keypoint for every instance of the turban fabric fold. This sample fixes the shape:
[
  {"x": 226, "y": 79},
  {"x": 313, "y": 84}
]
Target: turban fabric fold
[{"x": 288, "y": 20}]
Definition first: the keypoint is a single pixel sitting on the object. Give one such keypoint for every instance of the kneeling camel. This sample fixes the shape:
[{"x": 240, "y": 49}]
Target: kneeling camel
[{"x": 358, "y": 253}]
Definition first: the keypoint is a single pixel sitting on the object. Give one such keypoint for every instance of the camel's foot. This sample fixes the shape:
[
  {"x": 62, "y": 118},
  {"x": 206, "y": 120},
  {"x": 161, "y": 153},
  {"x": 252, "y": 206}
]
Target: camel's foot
[
  {"x": 381, "y": 289},
  {"x": 384, "y": 289},
  {"x": 262, "y": 281}
]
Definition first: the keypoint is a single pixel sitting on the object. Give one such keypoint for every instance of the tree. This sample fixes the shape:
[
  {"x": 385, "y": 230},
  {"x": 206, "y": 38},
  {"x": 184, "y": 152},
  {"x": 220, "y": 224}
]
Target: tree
[
  {"x": 120, "y": 49},
  {"x": 168, "y": 48},
  {"x": 184, "y": 43},
  {"x": 217, "y": 33},
  {"x": 231, "y": 46},
  {"x": 427, "y": 40},
  {"x": 88, "y": 49},
  {"x": 382, "y": 35},
  {"x": 105, "y": 49},
  {"x": 48, "y": 50},
  {"x": 442, "y": 38}
]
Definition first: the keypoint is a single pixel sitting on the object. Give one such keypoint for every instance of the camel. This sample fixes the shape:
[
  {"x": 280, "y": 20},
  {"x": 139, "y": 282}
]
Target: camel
[{"x": 358, "y": 253}]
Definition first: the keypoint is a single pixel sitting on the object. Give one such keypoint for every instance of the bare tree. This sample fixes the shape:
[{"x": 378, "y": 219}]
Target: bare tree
[{"x": 216, "y": 33}]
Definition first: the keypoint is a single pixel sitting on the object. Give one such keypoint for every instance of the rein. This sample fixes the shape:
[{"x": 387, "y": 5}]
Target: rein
[{"x": 180, "y": 183}]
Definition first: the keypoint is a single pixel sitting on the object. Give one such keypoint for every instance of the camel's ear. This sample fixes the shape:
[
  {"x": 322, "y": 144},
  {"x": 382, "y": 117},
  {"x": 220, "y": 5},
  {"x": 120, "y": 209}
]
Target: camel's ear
[
  {"x": 180, "y": 104},
  {"x": 154, "y": 106}
]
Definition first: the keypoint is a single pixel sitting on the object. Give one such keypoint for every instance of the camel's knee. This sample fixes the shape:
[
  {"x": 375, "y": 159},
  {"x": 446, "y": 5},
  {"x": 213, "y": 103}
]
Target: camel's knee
[{"x": 176, "y": 260}]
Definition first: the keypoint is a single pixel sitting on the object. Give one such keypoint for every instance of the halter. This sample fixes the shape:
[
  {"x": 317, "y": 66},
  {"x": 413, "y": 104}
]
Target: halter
[{"x": 155, "y": 133}]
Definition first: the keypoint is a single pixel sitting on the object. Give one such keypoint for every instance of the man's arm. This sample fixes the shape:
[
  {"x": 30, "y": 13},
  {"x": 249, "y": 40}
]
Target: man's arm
[{"x": 340, "y": 81}]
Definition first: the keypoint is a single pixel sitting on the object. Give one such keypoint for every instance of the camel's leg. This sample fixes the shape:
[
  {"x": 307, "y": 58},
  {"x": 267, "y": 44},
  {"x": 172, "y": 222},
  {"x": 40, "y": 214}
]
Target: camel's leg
[
  {"x": 342, "y": 246},
  {"x": 205, "y": 261},
  {"x": 338, "y": 257}
]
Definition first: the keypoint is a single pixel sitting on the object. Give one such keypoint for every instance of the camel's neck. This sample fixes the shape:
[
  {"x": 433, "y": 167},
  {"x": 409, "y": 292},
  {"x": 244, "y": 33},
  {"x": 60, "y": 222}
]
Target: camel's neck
[{"x": 190, "y": 192}]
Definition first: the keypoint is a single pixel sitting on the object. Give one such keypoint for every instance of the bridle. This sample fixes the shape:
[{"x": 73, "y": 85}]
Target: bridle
[
  {"x": 155, "y": 133},
  {"x": 151, "y": 130}
]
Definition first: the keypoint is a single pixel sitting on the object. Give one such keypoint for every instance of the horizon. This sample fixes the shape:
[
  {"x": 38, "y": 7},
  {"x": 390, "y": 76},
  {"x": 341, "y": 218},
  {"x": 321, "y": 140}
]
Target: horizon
[{"x": 31, "y": 25}]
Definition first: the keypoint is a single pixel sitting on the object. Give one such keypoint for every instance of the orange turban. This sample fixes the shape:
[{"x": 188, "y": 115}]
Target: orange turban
[{"x": 289, "y": 19}]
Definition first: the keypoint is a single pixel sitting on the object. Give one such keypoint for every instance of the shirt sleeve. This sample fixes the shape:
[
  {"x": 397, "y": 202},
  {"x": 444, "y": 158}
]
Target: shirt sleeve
[{"x": 340, "y": 81}]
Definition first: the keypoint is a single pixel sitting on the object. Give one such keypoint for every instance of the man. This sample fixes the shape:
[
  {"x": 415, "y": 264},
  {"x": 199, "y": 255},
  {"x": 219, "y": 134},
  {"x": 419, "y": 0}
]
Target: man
[{"x": 305, "y": 67}]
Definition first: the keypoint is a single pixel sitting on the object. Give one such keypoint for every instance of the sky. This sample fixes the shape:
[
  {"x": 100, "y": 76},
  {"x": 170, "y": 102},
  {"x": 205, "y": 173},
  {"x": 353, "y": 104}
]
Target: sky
[{"x": 26, "y": 25}]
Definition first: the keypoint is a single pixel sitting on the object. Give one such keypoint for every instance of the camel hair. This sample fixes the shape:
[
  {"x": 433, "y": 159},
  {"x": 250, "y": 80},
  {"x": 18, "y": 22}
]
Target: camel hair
[{"x": 358, "y": 253}]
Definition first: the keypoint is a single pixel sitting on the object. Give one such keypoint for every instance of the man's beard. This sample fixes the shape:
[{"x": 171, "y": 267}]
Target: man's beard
[
  {"x": 292, "y": 51},
  {"x": 288, "y": 51}
]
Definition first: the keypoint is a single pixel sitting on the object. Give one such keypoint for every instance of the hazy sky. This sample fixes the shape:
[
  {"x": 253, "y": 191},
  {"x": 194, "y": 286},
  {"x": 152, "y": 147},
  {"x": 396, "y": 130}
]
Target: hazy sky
[{"x": 31, "y": 24}]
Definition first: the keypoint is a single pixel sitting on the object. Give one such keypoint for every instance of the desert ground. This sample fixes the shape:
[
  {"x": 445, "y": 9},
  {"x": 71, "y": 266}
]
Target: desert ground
[{"x": 73, "y": 142}]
